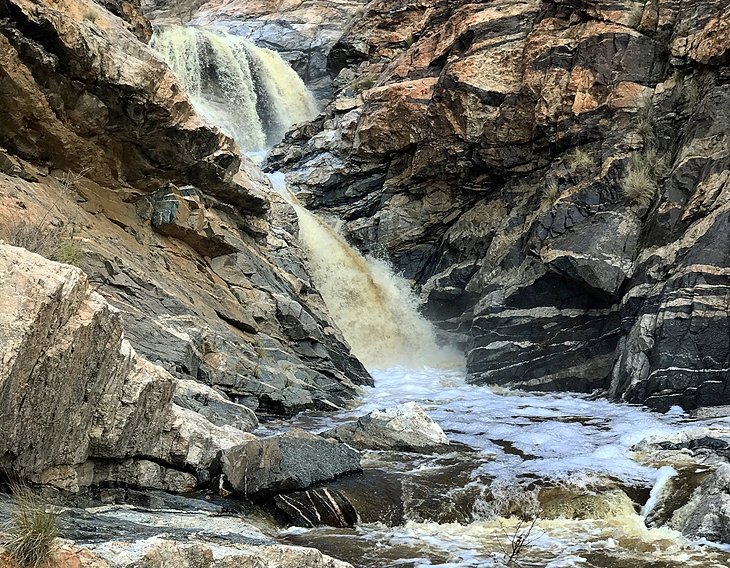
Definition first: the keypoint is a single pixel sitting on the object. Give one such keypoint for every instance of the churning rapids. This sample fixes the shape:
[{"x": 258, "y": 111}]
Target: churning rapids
[{"x": 447, "y": 510}]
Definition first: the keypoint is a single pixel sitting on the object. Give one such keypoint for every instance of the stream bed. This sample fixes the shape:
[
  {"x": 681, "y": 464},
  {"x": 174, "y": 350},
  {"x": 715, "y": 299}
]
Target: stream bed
[
  {"x": 454, "y": 509},
  {"x": 565, "y": 442}
]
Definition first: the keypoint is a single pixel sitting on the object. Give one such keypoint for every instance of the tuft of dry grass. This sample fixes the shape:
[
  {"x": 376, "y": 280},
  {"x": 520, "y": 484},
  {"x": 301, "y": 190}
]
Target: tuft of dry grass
[
  {"x": 636, "y": 15},
  {"x": 640, "y": 185},
  {"x": 32, "y": 530},
  {"x": 579, "y": 161},
  {"x": 550, "y": 195}
]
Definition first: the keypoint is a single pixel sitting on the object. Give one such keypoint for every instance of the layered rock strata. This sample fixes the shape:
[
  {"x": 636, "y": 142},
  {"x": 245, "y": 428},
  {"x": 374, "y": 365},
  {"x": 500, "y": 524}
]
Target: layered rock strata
[
  {"x": 551, "y": 174},
  {"x": 80, "y": 407}
]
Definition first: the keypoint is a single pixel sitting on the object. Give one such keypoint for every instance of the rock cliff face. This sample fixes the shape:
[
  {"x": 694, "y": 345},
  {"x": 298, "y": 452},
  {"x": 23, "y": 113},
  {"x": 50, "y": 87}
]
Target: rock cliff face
[
  {"x": 551, "y": 174},
  {"x": 104, "y": 156},
  {"x": 79, "y": 405},
  {"x": 303, "y": 32}
]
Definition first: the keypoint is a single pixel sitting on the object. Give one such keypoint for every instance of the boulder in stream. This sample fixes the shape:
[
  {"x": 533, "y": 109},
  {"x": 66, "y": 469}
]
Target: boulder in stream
[
  {"x": 707, "y": 513},
  {"x": 404, "y": 428},
  {"x": 291, "y": 461}
]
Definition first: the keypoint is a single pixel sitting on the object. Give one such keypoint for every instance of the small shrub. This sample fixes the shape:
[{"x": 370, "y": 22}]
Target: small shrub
[
  {"x": 364, "y": 84},
  {"x": 32, "y": 530},
  {"x": 523, "y": 506},
  {"x": 580, "y": 161},
  {"x": 657, "y": 164},
  {"x": 645, "y": 127},
  {"x": 639, "y": 185},
  {"x": 550, "y": 195},
  {"x": 90, "y": 16},
  {"x": 39, "y": 238},
  {"x": 692, "y": 95},
  {"x": 68, "y": 252}
]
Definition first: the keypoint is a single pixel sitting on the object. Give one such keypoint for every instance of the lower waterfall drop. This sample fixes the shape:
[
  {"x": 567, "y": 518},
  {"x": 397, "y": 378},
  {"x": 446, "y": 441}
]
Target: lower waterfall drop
[
  {"x": 249, "y": 93},
  {"x": 374, "y": 307}
]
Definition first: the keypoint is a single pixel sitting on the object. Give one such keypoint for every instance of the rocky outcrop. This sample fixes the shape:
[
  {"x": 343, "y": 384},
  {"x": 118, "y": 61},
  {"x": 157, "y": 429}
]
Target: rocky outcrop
[
  {"x": 159, "y": 552},
  {"x": 302, "y": 32},
  {"x": 288, "y": 462},
  {"x": 551, "y": 175},
  {"x": 404, "y": 428},
  {"x": 695, "y": 498},
  {"x": 104, "y": 155},
  {"x": 79, "y": 405}
]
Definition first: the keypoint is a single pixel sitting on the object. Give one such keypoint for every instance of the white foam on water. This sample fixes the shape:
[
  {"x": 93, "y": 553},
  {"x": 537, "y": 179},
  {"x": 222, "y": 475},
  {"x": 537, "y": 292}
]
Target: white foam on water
[{"x": 563, "y": 436}]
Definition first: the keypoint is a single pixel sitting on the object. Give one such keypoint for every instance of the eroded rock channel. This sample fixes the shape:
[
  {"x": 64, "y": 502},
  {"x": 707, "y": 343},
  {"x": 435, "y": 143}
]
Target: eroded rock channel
[{"x": 341, "y": 283}]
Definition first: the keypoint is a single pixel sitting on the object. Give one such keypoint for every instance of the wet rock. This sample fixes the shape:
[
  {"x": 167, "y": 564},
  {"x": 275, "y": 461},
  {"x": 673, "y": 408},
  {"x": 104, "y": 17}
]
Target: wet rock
[
  {"x": 707, "y": 514},
  {"x": 376, "y": 496},
  {"x": 564, "y": 504},
  {"x": 317, "y": 507},
  {"x": 291, "y": 461},
  {"x": 403, "y": 428}
]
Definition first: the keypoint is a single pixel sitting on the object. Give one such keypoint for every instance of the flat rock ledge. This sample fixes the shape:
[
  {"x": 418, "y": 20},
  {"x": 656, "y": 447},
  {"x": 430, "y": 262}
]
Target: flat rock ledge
[{"x": 161, "y": 553}]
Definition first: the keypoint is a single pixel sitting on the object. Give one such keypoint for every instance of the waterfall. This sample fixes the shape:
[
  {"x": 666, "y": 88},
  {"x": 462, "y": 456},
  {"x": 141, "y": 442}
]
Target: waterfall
[
  {"x": 252, "y": 95},
  {"x": 248, "y": 92},
  {"x": 373, "y": 306}
]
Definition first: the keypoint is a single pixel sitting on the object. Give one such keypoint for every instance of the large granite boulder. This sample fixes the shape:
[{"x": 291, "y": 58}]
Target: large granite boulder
[
  {"x": 403, "y": 428},
  {"x": 79, "y": 405}
]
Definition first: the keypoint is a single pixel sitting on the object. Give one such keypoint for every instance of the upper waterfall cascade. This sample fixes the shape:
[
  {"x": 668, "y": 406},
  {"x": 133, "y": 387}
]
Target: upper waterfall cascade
[{"x": 249, "y": 93}]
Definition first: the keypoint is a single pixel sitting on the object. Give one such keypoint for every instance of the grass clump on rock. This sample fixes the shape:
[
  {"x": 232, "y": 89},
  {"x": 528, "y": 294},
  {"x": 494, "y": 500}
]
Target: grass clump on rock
[
  {"x": 550, "y": 195},
  {"x": 580, "y": 161},
  {"x": 639, "y": 185},
  {"x": 32, "y": 530}
]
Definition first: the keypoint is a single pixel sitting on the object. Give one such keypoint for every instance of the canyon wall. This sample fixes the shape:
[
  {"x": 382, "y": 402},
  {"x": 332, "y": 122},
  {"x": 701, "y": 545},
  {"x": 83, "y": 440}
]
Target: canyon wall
[
  {"x": 191, "y": 309},
  {"x": 553, "y": 176}
]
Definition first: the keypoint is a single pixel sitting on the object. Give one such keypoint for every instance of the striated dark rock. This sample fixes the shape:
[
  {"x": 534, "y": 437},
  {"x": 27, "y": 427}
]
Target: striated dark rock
[
  {"x": 317, "y": 507},
  {"x": 295, "y": 460},
  {"x": 376, "y": 496},
  {"x": 486, "y": 148}
]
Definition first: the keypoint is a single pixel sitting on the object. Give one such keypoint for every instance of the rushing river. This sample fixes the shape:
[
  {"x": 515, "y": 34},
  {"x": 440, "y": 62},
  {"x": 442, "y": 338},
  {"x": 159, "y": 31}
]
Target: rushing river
[{"x": 557, "y": 440}]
